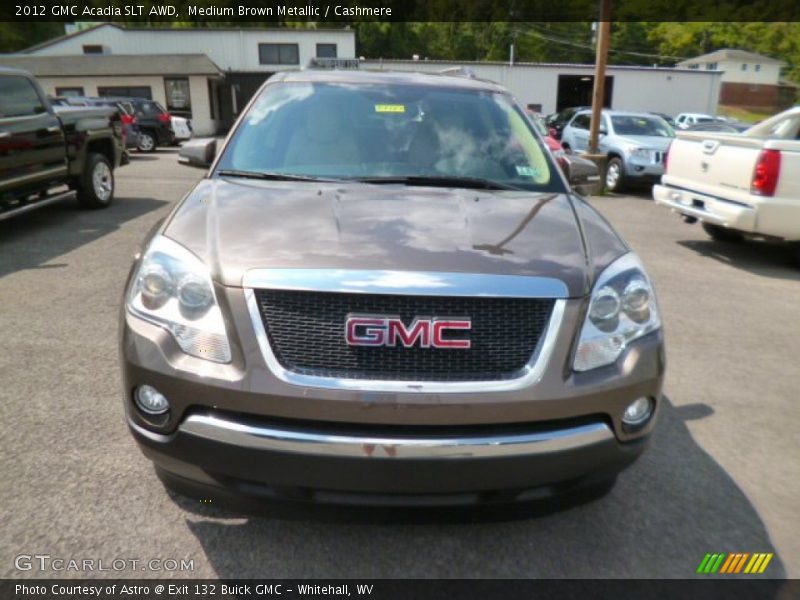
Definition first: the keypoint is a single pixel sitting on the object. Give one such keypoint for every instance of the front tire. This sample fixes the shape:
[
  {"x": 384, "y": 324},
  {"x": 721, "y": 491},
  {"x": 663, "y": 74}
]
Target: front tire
[
  {"x": 722, "y": 234},
  {"x": 615, "y": 175},
  {"x": 96, "y": 186},
  {"x": 795, "y": 248},
  {"x": 147, "y": 142}
]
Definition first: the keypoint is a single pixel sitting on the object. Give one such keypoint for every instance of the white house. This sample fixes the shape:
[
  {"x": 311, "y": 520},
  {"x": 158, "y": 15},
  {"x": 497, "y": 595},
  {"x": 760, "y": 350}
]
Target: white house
[{"x": 748, "y": 79}]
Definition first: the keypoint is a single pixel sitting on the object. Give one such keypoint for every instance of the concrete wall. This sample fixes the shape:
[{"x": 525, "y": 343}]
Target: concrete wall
[
  {"x": 236, "y": 50},
  {"x": 198, "y": 91},
  {"x": 669, "y": 91}
]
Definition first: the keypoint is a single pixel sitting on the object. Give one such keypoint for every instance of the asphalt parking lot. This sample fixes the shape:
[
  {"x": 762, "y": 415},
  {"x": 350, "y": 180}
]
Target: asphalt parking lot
[{"x": 723, "y": 473}]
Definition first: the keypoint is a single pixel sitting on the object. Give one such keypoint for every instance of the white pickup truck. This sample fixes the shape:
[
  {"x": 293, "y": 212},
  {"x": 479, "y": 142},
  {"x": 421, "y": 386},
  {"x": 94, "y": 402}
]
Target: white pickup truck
[{"x": 738, "y": 184}]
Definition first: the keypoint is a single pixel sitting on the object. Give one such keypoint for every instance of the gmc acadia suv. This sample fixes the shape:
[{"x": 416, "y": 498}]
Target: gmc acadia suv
[{"x": 384, "y": 291}]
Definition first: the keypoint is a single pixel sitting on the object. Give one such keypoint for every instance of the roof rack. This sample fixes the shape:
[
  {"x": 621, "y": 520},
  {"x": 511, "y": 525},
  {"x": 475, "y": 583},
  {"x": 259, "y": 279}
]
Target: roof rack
[
  {"x": 459, "y": 72},
  {"x": 346, "y": 64}
]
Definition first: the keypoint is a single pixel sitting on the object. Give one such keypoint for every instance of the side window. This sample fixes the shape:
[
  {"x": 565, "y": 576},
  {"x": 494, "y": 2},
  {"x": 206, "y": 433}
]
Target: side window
[
  {"x": 581, "y": 122},
  {"x": 18, "y": 97}
]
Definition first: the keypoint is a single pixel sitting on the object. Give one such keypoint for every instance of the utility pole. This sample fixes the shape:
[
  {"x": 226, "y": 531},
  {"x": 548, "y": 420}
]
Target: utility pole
[{"x": 601, "y": 58}]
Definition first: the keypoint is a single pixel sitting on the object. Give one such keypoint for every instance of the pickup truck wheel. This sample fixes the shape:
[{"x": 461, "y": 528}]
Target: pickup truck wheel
[
  {"x": 96, "y": 186},
  {"x": 722, "y": 234},
  {"x": 147, "y": 142},
  {"x": 795, "y": 249},
  {"x": 615, "y": 175}
]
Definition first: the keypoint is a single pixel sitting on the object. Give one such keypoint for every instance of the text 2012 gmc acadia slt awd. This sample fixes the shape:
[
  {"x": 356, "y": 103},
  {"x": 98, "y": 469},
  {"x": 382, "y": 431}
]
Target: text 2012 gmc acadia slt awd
[{"x": 384, "y": 291}]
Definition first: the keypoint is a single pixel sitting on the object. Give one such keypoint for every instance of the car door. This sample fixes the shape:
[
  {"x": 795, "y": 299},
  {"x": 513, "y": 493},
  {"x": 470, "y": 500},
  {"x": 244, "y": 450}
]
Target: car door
[
  {"x": 31, "y": 138},
  {"x": 580, "y": 132}
]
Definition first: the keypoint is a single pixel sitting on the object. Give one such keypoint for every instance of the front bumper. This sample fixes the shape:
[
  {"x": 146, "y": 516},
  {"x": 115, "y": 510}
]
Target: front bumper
[
  {"x": 251, "y": 459},
  {"x": 643, "y": 170}
]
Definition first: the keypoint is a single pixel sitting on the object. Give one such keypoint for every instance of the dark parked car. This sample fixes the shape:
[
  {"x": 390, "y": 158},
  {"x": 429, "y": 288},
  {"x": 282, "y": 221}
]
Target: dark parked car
[
  {"x": 384, "y": 291},
  {"x": 155, "y": 124},
  {"x": 45, "y": 147},
  {"x": 559, "y": 120},
  {"x": 666, "y": 117}
]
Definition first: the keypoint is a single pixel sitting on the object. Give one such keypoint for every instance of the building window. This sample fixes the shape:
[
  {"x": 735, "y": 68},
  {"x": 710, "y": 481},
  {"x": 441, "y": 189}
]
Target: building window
[
  {"x": 326, "y": 50},
  {"x": 69, "y": 92},
  {"x": 693, "y": 66},
  {"x": 92, "y": 49},
  {"x": 757, "y": 68},
  {"x": 744, "y": 66},
  {"x": 211, "y": 100},
  {"x": 711, "y": 67},
  {"x": 278, "y": 54},
  {"x": 177, "y": 94},
  {"x": 136, "y": 91}
]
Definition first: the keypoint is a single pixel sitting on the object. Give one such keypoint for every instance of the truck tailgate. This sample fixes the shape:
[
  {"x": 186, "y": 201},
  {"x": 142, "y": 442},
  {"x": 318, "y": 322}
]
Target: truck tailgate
[{"x": 720, "y": 164}]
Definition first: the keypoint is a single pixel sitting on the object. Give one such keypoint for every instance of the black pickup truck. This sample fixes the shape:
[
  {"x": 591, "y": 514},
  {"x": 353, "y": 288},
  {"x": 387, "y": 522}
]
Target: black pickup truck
[{"x": 49, "y": 154}]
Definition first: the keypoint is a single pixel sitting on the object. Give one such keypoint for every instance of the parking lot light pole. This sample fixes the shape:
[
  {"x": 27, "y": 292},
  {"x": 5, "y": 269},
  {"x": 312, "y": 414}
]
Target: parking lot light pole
[{"x": 598, "y": 95}]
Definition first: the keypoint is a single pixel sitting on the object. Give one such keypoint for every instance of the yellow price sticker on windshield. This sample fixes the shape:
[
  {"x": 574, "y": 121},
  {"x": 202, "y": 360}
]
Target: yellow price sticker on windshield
[{"x": 390, "y": 108}]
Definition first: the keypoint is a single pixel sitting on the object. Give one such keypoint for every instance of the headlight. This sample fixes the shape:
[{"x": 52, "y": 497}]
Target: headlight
[
  {"x": 623, "y": 308},
  {"x": 173, "y": 288},
  {"x": 640, "y": 152}
]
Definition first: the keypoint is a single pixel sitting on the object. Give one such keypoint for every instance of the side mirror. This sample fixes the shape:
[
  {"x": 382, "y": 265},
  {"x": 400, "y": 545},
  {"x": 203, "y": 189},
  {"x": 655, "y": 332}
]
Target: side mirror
[
  {"x": 583, "y": 175},
  {"x": 602, "y": 131},
  {"x": 198, "y": 153}
]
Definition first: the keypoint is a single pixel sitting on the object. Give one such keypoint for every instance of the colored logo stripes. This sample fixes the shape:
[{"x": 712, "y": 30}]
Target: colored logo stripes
[{"x": 735, "y": 562}]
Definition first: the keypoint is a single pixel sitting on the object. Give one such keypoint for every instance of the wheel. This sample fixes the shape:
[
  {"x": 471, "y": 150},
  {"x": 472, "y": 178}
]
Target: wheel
[
  {"x": 566, "y": 148},
  {"x": 96, "y": 186},
  {"x": 615, "y": 175},
  {"x": 722, "y": 234},
  {"x": 795, "y": 249},
  {"x": 147, "y": 142}
]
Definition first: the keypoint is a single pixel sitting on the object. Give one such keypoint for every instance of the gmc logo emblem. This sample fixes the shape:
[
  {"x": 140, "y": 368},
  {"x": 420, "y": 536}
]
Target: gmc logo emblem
[{"x": 380, "y": 330}]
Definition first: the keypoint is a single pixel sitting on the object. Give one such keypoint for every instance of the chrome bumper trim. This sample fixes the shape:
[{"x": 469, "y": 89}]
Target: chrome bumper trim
[
  {"x": 529, "y": 375},
  {"x": 234, "y": 433},
  {"x": 406, "y": 283}
]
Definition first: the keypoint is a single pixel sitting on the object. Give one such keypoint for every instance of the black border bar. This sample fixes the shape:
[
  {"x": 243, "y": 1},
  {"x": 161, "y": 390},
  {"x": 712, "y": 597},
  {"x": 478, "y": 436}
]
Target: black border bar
[
  {"x": 707, "y": 588},
  {"x": 354, "y": 11}
]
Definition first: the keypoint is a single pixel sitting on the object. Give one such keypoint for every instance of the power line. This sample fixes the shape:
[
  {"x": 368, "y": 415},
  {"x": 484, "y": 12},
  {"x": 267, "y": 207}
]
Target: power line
[{"x": 590, "y": 48}]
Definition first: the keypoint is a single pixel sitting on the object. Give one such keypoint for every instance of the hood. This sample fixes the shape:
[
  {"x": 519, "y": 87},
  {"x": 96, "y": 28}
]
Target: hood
[
  {"x": 656, "y": 142},
  {"x": 237, "y": 225}
]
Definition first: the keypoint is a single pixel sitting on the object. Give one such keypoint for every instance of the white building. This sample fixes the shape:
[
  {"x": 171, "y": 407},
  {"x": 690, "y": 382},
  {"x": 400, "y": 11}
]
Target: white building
[
  {"x": 210, "y": 74},
  {"x": 162, "y": 64},
  {"x": 549, "y": 88},
  {"x": 748, "y": 79}
]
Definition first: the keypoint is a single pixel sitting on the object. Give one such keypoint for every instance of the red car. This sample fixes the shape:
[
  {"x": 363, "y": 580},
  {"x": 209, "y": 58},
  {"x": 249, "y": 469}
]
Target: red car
[{"x": 549, "y": 138}]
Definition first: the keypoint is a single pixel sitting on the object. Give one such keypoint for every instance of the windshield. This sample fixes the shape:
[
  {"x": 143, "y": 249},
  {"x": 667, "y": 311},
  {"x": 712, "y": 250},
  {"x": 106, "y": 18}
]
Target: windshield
[
  {"x": 360, "y": 131},
  {"x": 633, "y": 125}
]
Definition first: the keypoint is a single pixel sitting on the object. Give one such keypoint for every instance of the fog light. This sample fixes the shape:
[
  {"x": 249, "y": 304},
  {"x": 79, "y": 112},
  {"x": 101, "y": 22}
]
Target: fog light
[
  {"x": 150, "y": 400},
  {"x": 637, "y": 412}
]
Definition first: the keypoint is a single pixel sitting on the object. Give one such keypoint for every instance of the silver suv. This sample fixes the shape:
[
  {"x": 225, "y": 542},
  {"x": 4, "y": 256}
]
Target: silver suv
[{"x": 634, "y": 142}]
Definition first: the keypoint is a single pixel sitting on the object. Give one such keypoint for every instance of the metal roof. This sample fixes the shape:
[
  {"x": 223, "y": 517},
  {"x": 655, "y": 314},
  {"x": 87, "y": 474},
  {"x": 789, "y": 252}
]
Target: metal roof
[
  {"x": 178, "y": 30},
  {"x": 111, "y": 64},
  {"x": 587, "y": 66},
  {"x": 732, "y": 54}
]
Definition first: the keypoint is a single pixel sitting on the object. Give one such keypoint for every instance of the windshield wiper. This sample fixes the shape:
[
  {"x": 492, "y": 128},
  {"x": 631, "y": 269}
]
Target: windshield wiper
[
  {"x": 476, "y": 183},
  {"x": 270, "y": 175}
]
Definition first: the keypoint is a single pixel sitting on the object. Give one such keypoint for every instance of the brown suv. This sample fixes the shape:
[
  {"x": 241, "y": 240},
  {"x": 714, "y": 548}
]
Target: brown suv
[{"x": 384, "y": 291}]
